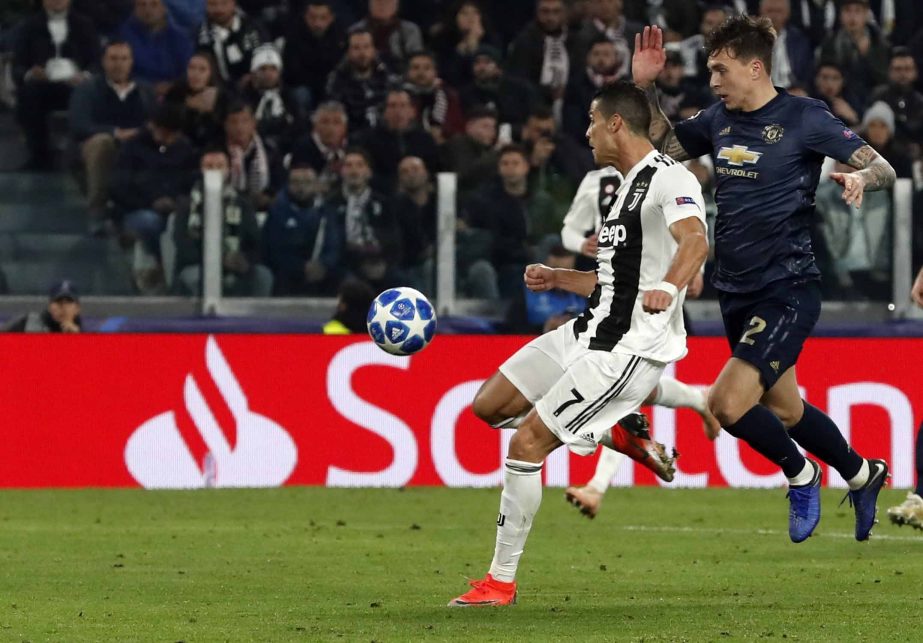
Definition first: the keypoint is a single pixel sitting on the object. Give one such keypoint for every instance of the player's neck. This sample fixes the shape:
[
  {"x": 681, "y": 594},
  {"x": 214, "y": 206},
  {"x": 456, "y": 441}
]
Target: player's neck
[
  {"x": 760, "y": 97},
  {"x": 631, "y": 153}
]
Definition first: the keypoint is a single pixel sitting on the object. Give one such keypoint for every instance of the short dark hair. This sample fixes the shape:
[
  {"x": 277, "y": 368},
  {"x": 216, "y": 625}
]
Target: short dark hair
[
  {"x": 901, "y": 52},
  {"x": 357, "y": 31},
  {"x": 360, "y": 151},
  {"x": 425, "y": 53},
  {"x": 628, "y": 101},
  {"x": 237, "y": 106},
  {"x": 745, "y": 38},
  {"x": 481, "y": 111},
  {"x": 513, "y": 148},
  {"x": 541, "y": 111},
  {"x": 168, "y": 116}
]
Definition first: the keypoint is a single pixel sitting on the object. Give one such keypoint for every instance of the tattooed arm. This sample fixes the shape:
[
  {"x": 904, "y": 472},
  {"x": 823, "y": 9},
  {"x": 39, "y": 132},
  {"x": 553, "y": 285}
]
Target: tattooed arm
[
  {"x": 646, "y": 64},
  {"x": 874, "y": 173},
  {"x": 662, "y": 135}
]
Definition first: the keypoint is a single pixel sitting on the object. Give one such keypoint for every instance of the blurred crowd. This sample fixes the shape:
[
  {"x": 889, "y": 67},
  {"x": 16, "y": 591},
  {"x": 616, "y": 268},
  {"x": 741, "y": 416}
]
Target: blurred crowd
[{"x": 330, "y": 119}]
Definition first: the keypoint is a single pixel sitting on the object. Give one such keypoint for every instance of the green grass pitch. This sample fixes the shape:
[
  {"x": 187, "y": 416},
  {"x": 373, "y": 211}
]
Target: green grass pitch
[{"x": 379, "y": 565}]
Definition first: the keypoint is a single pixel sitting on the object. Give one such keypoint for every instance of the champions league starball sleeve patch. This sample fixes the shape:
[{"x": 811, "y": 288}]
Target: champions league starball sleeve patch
[{"x": 685, "y": 200}]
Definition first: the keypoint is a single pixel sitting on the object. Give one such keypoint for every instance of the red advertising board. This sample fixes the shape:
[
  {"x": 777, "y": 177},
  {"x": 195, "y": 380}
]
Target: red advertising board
[{"x": 265, "y": 410}]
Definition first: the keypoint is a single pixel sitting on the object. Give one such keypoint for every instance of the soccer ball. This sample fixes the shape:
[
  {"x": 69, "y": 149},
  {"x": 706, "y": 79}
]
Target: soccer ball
[{"x": 401, "y": 321}]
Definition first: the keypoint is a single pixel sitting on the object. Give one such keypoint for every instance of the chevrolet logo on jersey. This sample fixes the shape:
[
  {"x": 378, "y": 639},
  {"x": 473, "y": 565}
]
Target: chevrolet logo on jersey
[{"x": 738, "y": 155}]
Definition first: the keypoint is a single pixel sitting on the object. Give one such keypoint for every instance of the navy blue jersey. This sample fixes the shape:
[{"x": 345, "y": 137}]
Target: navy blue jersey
[{"x": 767, "y": 164}]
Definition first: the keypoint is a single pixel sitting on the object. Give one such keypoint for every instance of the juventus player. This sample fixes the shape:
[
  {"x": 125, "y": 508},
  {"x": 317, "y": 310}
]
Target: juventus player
[
  {"x": 590, "y": 373},
  {"x": 585, "y": 217}
]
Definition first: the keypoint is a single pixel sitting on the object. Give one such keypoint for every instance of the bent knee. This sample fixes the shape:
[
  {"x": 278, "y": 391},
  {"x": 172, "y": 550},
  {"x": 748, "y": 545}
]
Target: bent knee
[
  {"x": 727, "y": 409},
  {"x": 789, "y": 415},
  {"x": 533, "y": 441}
]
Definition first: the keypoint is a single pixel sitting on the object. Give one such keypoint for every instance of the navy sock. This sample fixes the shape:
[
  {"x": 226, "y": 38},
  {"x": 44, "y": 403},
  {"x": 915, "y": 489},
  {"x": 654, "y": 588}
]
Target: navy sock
[
  {"x": 763, "y": 431},
  {"x": 817, "y": 433},
  {"x": 919, "y": 461}
]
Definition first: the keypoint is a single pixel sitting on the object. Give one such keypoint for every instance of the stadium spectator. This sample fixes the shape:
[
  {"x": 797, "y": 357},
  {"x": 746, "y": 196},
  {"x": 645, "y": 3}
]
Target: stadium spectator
[
  {"x": 677, "y": 92},
  {"x": 437, "y": 104},
  {"x": 314, "y": 46},
  {"x": 680, "y": 17},
  {"x": 302, "y": 241},
  {"x": 857, "y": 47},
  {"x": 104, "y": 113},
  {"x": 558, "y": 163},
  {"x": 53, "y": 50},
  {"x": 61, "y": 316},
  {"x": 693, "y": 47},
  {"x": 605, "y": 19},
  {"x": 792, "y": 53},
  {"x": 510, "y": 96},
  {"x": 394, "y": 38},
  {"x": 256, "y": 168},
  {"x": 516, "y": 218},
  {"x": 371, "y": 230},
  {"x": 360, "y": 82},
  {"x": 542, "y": 52},
  {"x": 242, "y": 275},
  {"x": 878, "y": 129},
  {"x": 539, "y": 312},
  {"x": 464, "y": 30},
  {"x": 415, "y": 206},
  {"x": 153, "y": 170},
  {"x": 278, "y": 115},
  {"x": 899, "y": 93},
  {"x": 160, "y": 48},
  {"x": 354, "y": 298},
  {"x": 830, "y": 88},
  {"x": 397, "y": 136},
  {"x": 324, "y": 148},
  {"x": 602, "y": 66},
  {"x": 203, "y": 99},
  {"x": 471, "y": 154},
  {"x": 231, "y": 36}
]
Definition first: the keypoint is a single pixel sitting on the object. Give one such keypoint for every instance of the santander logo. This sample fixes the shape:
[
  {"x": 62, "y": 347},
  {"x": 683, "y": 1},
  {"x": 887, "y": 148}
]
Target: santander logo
[{"x": 262, "y": 453}]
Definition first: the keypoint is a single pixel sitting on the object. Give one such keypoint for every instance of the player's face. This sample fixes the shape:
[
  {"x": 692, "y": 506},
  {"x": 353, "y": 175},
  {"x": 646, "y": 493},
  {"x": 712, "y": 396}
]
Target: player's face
[
  {"x": 731, "y": 79},
  {"x": 597, "y": 136}
]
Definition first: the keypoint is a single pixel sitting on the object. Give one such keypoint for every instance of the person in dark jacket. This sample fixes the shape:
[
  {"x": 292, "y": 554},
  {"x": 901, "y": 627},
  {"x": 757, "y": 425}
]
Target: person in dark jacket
[
  {"x": 360, "y": 82},
  {"x": 203, "y": 99},
  {"x": 302, "y": 241},
  {"x": 510, "y": 96},
  {"x": 471, "y": 154},
  {"x": 415, "y": 207},
  {"x": 314, "y": 46},
  {"x": 61, "y": 316},
  {"x": 160, "y": 48},
  {"x": 242, "y": 274},
  {"x": 53, "y": 51},
  {"x": 438, "y": 105},
  {"x": 104, "y": 113},
  {"x": 543, "y": 53},
  {"x": 278, "y": 115},
  {"x": 324, "y": 148},
  {"x": 231, "y": 36}
]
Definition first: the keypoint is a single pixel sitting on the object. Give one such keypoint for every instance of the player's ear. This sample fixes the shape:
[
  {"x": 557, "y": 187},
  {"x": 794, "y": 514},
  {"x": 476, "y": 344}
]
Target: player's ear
[
  {"x": 756, "y": 68},
  {"x": 615, "y": 123}
]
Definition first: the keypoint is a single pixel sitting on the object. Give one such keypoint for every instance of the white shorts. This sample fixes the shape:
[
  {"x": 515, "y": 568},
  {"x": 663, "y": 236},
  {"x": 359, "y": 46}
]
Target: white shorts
[{"x": 577, "y": 392}]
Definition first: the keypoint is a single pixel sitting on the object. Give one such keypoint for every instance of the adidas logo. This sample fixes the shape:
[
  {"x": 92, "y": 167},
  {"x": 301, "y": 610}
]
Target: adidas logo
[
  {"x": 775, "y": 365},
  {"x": 725, "y": 131}
]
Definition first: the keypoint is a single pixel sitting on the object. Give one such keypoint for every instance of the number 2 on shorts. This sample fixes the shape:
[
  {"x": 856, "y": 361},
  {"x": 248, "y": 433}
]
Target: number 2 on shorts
[
  {"x": 757, "y": 325},
  {"x": 577, "y": 398}
]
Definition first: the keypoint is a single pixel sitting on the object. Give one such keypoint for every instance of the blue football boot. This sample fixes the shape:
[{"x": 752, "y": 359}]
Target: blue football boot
[
  {"x": 804, "y": 507},
  {"x": 864, "y": 499}
]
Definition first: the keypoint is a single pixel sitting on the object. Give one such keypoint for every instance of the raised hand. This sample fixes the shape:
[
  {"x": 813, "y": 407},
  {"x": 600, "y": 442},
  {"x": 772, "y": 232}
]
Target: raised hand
[{"x": 649, "y": 57}]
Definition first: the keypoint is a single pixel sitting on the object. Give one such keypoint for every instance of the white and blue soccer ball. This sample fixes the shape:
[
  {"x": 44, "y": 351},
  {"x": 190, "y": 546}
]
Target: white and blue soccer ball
[{"x": 401, "y": 321}]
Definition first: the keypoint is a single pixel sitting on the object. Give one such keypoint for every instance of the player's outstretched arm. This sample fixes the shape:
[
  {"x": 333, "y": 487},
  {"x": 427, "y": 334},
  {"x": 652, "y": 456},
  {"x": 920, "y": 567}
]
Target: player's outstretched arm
[
  {"x": 690, "y": 255},
  {"x": 875, "y": 173},
  {"x": 916, "y": 293},
  {"x": 646, "y": 64},
  {"x": 539, "y": 278}
]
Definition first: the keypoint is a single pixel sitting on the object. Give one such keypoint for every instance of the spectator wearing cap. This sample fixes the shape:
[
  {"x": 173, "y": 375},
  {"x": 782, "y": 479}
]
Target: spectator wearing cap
[
  {"x": 792, "y": 53},
  {"x": 603, "y": 65},
  {"x": 160, "y": 48},
  {"x": 53, "y": 50},
  {"x": 605, "y": 18},
  {"x": 324, "y": 148},
  {"x": 231, "y": 36},
  {"x": 542, "y": 53},
  {"x": 394, "y": 38},
  {"x": 878, "y": 129},
  {"x": 314, "y": 46},
  {"x": 398, "y": 135},
  {"x": 900, "y": 94},
  {"x": 437, "y": 104},
  {"x": 360, "y": 82},
  {"x": 858, "y": 47},
  {"x": 104, "y": 113},
  {"x": 472, "y": 154},
  {"x": 278, "y": 116},
  {"x": 153, "y": 170},
  {"x": 61, "y": 316},
  {"x": 511, "y": 97}
]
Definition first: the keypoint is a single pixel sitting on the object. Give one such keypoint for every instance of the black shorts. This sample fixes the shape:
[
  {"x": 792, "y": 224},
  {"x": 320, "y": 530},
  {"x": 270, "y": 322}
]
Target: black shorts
[{"x": 768, "y": 328}]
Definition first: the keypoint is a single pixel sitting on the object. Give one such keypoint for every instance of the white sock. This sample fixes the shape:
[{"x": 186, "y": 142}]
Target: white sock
[
  {"x": 510, "y": 423},
  {"x": 519, "y": 502},
  {"x": 859, "y": 480},
  {"x": 606, "y": 467},
  {"x": 675, "y": 395},
  {"x": 804, "y": 477}
]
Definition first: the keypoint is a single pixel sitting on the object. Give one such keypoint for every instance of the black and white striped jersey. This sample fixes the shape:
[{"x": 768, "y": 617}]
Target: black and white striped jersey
[
  {"x": 636, "y": 249},
  {"x": 590, "y": 206}
]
